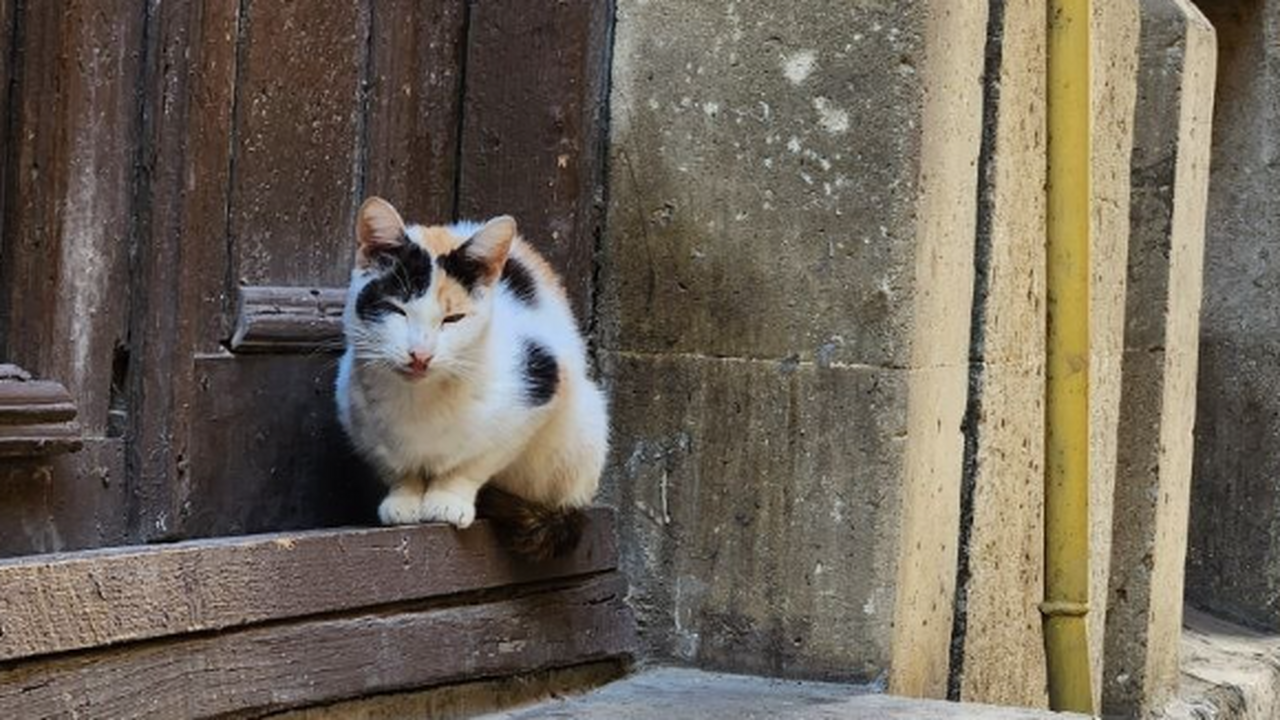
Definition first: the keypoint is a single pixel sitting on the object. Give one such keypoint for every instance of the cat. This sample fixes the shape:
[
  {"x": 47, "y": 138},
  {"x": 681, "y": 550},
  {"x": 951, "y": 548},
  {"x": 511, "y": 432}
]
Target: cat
[{"x": 464, "y": 368}]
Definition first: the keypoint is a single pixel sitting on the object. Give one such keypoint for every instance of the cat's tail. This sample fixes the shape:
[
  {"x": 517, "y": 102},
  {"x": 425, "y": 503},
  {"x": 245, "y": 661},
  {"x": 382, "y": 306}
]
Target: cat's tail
[{"x": 531, "y": 530}]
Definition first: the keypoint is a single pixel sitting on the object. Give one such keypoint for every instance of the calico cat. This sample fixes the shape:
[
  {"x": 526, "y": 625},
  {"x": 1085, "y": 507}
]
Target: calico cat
[{"x": 464, "y": 368}]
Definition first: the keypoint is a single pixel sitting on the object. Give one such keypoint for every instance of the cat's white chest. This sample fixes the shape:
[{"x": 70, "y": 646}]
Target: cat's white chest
[{"x": 429, "y": 431}]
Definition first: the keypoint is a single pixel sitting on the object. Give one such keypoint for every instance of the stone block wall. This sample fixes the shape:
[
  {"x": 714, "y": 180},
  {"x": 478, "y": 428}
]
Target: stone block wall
[
  {"x": 1169, "y": 188},
  {"x": 784, "y": 321}
]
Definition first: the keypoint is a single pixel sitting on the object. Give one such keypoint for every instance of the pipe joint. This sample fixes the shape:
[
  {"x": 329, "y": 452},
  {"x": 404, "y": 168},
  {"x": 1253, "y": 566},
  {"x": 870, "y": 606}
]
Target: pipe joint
[{"x": 1063, "y": 608}]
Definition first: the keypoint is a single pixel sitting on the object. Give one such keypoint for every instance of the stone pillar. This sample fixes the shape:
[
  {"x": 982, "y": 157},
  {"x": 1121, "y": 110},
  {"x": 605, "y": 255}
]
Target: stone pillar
[
  {"x": 783, "y": 319},
  {"x": 1233, "y": 564},
  {"x": 1170, "y": 178},
  {"x": 999, "y": 652},
  {"x": 1115, "y": 86}
]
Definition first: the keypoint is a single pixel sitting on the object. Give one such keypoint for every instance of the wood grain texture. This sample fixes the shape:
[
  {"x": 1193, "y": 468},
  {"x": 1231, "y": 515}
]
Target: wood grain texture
[
  {"x": 69, "y": 162},
  {"x": 37, "y": 417},
  {"x": 414, "y": 101},
  {"x": 27, "y": 402},
  {"x": 64, "y": 502},
  {"x": 69, "y": 193},
  {"x": 288, "y": 319},
  {"x": 266, "y": 451},
  {"x": 38, "y": 441},
  {"x": 268, "y": 124},
  {"x": 535, "y": 126},
  {"x": 276, "y": 667},
  {"x": 58, "y": 603},
  {"x": 8, "y": 39},
  {"x": 181, "y": 303},
  {"x": 298, "y": 134},
  {"x": 469, "y": 698}
]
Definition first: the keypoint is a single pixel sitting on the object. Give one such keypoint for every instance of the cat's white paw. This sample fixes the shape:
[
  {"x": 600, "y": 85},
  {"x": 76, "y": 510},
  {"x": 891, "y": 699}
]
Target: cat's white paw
[
  {"x": 444, "y": 506},
  {"x": 401, "y": 508}
]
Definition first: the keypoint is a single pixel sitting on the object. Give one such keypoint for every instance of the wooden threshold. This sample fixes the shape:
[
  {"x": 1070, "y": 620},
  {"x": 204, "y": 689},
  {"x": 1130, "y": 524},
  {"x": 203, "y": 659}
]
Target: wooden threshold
[
  {"x": 75, "y": 601},
  {"x": 263, "y": 669}
]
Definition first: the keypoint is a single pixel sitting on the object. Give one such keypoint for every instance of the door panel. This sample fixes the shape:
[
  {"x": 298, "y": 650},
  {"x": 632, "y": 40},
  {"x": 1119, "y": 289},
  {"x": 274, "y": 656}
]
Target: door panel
[
  {"x": 533, "y": 141},
  {"x": 69, "y": 154},
  {"x": 296, "y": 170}
]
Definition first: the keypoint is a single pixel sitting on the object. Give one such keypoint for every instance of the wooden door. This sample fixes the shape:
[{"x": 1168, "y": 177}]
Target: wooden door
[{"x": 179, "y": 187}]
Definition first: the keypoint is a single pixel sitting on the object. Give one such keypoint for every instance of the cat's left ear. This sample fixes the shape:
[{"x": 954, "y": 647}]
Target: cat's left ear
[
  {"x": 491, "y": 244},
  {"x": 379, "y": 228}
]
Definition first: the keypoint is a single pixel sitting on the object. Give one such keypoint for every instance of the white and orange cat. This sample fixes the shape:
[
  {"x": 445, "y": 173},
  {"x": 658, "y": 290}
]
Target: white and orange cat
[{"x": 464, "y": 368}]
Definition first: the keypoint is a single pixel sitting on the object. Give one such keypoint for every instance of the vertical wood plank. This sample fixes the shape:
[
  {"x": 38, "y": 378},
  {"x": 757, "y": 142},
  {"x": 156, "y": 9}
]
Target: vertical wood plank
[
  {"x": 414, "y": 102},
  {"x": 8, "y": 41},
  {"x": 534, "y": 126},
  {"x": 180, "y": 294},
  {"x": 130, "y": 219},
  {"x": 298, "y": 133}
]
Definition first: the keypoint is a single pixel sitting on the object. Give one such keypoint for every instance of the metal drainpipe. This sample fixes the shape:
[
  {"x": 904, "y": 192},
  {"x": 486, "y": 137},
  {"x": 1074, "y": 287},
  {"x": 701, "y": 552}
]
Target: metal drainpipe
[{"x": 1066, "y": 546}]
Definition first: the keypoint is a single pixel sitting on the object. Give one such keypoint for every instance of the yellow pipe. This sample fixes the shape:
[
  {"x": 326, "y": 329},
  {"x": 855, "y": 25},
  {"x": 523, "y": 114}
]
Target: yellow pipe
[{"x": 1066, "y": 546}]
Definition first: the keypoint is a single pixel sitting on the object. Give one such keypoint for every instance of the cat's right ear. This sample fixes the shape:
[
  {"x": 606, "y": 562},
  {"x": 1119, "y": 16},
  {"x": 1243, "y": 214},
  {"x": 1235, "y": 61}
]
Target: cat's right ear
[{"x": 378, "y": 228}]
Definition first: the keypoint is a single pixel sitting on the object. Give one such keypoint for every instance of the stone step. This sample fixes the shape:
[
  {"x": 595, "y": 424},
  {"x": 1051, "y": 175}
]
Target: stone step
[
  {"x": 665, "y": 693},
  {"x": 1229, "y": 672}
]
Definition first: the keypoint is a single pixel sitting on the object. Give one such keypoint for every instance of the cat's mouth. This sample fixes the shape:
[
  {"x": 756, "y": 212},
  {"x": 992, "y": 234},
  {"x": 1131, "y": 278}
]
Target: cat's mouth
[
  {"x": 412, "y": 373},
  {"x": 416, "y": 367}
]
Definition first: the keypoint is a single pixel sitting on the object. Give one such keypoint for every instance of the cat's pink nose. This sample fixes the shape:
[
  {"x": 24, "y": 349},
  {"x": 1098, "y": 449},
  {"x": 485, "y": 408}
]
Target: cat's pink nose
[{"x": 419, "y": 361}]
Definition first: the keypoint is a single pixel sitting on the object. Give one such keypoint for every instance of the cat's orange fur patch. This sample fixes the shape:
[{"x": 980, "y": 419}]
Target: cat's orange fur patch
[
  {"x": 546, "y": 276},
  {"x": 453, "y": 298},
  {"x": 439, "y": 241}
]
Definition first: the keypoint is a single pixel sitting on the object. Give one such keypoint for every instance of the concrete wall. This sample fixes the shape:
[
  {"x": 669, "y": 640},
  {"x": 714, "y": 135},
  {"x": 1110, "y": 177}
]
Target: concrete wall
[
  {"x": 1170, "y": 178},
  {"x": 1233, "y": 565},
  {"x": 783, "y": 319}
]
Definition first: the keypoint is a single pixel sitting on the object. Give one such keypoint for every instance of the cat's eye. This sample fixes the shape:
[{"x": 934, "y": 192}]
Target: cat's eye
[
  {"x": 391, "y": 307},
  {"x": 453, "y": 318}
]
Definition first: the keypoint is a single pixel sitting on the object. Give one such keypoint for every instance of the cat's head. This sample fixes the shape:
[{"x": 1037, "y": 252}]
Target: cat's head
[{"x": 421, "y": 297}]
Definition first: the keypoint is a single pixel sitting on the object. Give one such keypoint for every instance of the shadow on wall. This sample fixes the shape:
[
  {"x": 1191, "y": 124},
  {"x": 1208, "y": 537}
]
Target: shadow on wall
[{"x": 1233, "y": 561}]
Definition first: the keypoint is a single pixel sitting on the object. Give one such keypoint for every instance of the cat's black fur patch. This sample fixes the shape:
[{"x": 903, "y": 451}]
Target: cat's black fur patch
[
  {"x": 533, "y": 531},
  {"x": 541, "y": 374},
  {"x": 520, "y": 281},
  {"x": 404, "y": 272},
  {"x": 462, "y": 266}
]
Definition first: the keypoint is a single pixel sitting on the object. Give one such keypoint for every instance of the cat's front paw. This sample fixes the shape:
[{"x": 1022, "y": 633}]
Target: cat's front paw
[
  {"x": 444, "y": 506},
  {"x": 401, "y": 508}
]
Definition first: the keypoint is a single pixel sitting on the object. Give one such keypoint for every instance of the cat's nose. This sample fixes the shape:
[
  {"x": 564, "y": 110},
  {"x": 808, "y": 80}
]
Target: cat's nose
[{"x": 419, "y": 361}]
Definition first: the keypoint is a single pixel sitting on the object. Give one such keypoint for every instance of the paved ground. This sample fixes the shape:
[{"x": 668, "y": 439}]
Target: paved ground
[
  {"x": 1228, "y": 672},
  {"x": 675, "y": 694}
]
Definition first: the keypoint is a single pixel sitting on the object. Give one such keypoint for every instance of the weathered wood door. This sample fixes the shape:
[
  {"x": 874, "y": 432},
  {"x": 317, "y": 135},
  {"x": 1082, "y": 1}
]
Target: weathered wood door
[{"x": 165, "y": 161}]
